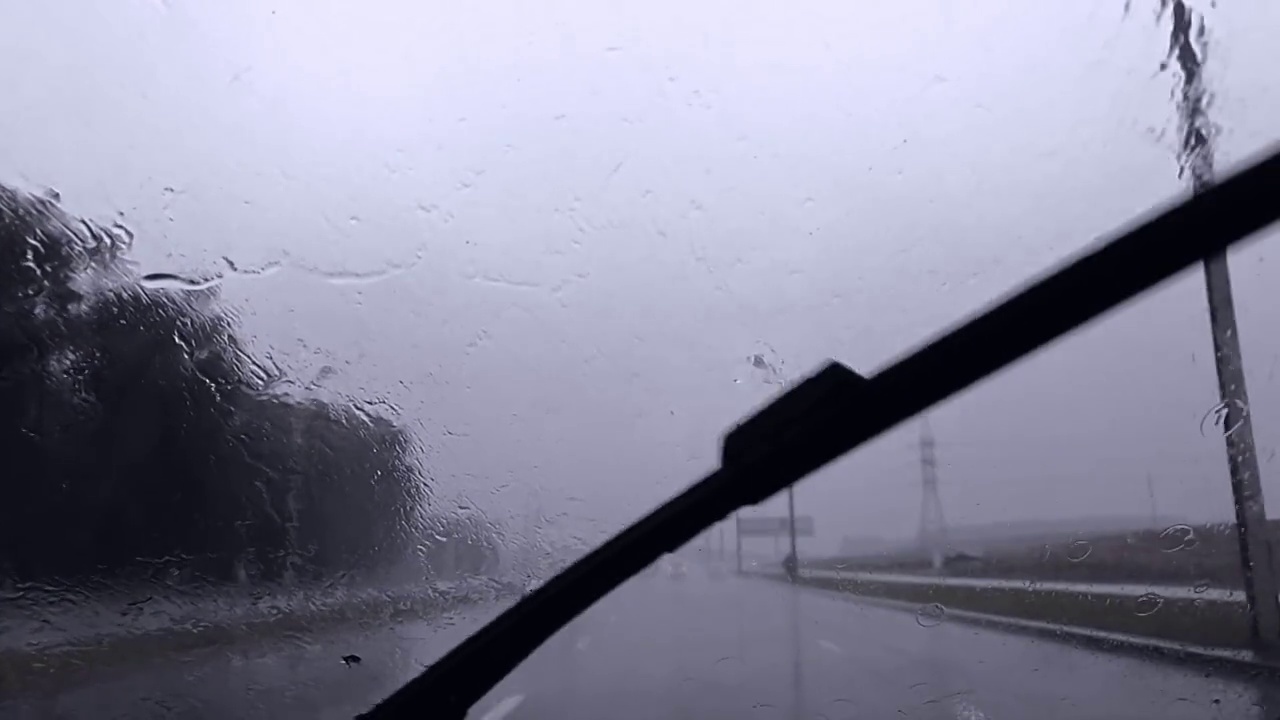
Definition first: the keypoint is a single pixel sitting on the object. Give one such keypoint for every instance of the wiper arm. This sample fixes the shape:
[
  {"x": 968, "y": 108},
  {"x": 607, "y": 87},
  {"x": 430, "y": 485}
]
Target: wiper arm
[{"x": 835, "y": 411}]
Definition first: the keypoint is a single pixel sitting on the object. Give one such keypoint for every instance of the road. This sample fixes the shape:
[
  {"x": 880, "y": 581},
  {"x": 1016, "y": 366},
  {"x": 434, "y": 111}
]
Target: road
[{"x": 704, "y": 647}]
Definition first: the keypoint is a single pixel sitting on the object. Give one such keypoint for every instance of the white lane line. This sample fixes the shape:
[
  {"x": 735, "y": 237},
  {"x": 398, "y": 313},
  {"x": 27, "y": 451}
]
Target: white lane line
[
  {"x": 966, "y": 710},
  {"x": 504, "y": 708}
]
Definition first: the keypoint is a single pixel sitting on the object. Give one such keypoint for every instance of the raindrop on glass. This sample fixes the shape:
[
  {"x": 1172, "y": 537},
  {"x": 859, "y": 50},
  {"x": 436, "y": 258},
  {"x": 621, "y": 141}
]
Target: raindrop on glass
[
  {"x": 1178, "y": 537},
  {"x": 167, "y": 281},
  {"x": 1200, "y": 587},
  {"x": 1218, "y": 417},
  {"x": 1079, "y": 550},
  {"x": 767, "y": 366},
  {"x": 1147, "y": 604},
  {"x": 930, "y": 615}
]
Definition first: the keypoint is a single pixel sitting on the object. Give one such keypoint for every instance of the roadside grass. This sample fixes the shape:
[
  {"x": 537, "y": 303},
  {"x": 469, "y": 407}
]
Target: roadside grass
[{"x": 1205, "y": 622}]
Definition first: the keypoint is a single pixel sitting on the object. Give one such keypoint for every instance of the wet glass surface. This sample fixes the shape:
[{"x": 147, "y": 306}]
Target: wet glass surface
[{"x": 325, "y": 332}]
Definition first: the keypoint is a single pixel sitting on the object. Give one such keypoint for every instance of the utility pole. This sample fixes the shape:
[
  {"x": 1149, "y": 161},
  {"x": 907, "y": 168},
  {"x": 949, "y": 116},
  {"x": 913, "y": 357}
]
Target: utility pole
[
  {"x": 1196, "y": 159},
  {"x": 933, "y": 526},
  {"x": 1260, "y": 583}
]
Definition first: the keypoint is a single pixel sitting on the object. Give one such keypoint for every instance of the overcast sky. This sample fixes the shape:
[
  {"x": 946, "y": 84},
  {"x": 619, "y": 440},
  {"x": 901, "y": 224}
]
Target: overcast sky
[{"x": 548, "y": 236}]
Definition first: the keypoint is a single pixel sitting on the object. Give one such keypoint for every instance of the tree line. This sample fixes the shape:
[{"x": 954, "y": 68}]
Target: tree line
[{"x": 138, "y": 442}]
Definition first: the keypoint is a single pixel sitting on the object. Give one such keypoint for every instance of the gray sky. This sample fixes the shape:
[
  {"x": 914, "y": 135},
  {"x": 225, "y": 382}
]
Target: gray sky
[{"x": 549, "y": 235}]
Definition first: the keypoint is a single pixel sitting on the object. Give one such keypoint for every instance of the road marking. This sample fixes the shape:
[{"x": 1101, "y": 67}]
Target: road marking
[
  {"x": 831, "y": 646},
  {"x": 504, "y": 708},
  {"x": 968, "y": 711}
]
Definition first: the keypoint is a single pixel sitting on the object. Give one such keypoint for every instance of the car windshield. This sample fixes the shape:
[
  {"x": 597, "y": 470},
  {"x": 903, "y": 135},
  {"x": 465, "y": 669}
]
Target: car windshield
[{"x": 329, "y": 331}]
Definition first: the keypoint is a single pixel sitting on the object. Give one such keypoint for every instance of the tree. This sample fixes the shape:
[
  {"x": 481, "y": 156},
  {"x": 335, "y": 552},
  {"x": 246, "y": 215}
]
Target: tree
[
  {"x": 138, "y": 444},
  {"x": 459, "y": 544}
]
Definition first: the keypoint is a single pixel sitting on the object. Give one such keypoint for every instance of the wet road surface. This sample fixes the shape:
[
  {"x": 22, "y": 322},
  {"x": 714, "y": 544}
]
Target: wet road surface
[{"x": 704, "y": 647}]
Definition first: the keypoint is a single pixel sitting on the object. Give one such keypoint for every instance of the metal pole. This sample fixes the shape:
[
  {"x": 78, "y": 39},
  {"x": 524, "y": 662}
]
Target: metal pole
[
  {"x": 1151, "y": 498},
  {"x": 791, "y": 521},
  {"x": 1196, "y": 158},
  {"x": 737, "y": 534},
  {"x": 1256, "y": 559}
]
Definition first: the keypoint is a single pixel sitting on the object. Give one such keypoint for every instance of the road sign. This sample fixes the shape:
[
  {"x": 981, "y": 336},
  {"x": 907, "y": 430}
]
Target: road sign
[{"x": 774, "y": 526}]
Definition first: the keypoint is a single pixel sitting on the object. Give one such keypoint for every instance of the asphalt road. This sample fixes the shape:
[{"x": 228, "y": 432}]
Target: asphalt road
[{"x": 704, "y": 647}]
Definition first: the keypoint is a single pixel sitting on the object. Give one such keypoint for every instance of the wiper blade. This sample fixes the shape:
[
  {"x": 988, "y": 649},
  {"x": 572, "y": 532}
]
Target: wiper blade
[{"x": 835, "y": 411}]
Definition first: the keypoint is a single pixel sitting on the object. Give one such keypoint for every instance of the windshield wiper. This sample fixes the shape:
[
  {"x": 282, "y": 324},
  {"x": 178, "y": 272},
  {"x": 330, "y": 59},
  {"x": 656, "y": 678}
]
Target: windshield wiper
[{"x": 835, "y": 411}]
